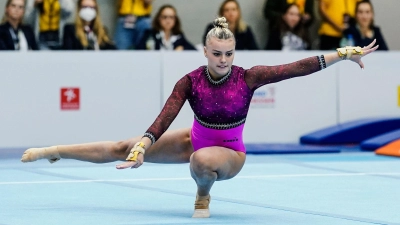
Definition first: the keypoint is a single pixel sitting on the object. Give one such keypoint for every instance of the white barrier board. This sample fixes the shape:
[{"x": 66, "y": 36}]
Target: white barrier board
[{"x": 119, "y": 96}]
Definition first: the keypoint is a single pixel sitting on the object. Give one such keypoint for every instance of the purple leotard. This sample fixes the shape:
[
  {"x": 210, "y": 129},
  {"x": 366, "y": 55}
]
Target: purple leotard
[{"x": 220, "y": 107}]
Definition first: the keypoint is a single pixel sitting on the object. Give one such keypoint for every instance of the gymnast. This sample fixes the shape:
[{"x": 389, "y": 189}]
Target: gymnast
[{"x": 219, "y": 95}]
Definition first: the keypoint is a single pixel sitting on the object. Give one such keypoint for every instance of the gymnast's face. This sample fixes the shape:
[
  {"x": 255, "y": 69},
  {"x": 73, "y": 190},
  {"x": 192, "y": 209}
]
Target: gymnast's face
[{"x": 220, "y": 54}]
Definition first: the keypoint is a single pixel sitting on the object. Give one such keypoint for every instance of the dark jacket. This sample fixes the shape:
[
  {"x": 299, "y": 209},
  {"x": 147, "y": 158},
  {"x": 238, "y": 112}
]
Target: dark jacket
[
  {"x": 71, "y": 42},
  {"x": 360, "y": 41},
  {"x": 275, "y": 40},
  {"x": 7, "y": 42},
  {"x": 273, "y": 9},
  {"x": 244, "y": 40},
  {"x": 155, "y": 36}
]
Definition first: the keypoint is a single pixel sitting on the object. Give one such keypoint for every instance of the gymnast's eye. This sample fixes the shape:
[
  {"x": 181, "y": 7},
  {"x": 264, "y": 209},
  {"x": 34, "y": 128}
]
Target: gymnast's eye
[
  {"x": 229, "y": 54},
  {"x": 216, "y": 54}
]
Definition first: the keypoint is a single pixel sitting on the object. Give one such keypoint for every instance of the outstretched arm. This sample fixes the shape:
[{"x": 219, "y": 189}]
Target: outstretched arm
[
  {"x": 260, "y": 75},
  {"x": 169, "y": 112}
]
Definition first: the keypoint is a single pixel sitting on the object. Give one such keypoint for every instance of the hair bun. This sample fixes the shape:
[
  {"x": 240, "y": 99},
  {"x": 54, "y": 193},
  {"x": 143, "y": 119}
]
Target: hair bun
[{"x": 220, "y": 23}]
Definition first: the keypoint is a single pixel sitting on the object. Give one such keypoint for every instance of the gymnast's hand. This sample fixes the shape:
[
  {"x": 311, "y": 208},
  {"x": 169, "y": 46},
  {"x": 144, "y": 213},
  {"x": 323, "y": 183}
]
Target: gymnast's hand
[
  {"x": 365, "y": 51},
  {"x": 135, "y": 158},
  {"x": 132, "y": 164}
]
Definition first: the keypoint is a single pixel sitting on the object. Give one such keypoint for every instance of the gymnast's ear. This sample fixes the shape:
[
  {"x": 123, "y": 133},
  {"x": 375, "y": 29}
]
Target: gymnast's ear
[{"x": 205, "y": 51}]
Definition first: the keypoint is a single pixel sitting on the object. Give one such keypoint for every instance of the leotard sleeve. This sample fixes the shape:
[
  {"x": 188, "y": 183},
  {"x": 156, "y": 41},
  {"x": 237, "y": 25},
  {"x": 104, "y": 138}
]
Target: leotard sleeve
[
  {"x": 258, "y": 76},
  {"x": 170, "y": 110}
]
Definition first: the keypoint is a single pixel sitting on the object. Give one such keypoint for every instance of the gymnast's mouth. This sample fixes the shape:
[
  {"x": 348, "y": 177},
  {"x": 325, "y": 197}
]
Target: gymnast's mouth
[{"x": 222, "y": 67}]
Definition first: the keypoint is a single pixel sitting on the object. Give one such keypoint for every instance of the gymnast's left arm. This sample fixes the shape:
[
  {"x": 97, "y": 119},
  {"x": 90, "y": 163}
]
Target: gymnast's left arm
[{"x": 258, "y": 76}]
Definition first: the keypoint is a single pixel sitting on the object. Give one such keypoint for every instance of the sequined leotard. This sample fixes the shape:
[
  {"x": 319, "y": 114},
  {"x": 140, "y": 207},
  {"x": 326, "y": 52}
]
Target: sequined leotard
[{"x": 220, "y": 107}]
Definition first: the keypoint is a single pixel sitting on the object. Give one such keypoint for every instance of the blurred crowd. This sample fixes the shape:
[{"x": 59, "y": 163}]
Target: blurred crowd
[{"x": 43, "y": 25}]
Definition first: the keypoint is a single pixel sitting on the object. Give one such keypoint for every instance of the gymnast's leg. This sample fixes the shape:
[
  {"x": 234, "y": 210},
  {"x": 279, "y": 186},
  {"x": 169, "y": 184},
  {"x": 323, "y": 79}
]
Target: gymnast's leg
[
  {"x": 173, "y": 147},
  {"x": 211, "y": 164}
]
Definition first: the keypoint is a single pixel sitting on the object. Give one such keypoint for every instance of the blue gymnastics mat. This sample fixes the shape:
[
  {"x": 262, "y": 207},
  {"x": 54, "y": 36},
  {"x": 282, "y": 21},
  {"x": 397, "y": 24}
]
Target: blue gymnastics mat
[
  {"x": 353, "y": 132},
  {"x": 289, "y": 149},
  {"x": 379, "y": 141}
]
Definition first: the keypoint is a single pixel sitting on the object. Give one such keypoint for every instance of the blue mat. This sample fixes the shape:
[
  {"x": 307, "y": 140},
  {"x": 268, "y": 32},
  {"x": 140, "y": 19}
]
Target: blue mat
[
  {"x": 352, "y": 132},
  {"x": 289, "y": 149},
  {"x": 379, "y": 141}
]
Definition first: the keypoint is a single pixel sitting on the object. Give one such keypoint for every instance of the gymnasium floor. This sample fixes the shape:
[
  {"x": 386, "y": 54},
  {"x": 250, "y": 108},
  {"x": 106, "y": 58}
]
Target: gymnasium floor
[{"x": 344, "y": 188}]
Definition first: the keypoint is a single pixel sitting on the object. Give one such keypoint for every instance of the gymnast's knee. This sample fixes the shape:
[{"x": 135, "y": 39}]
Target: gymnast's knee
[{"x": 201, "y": 163}]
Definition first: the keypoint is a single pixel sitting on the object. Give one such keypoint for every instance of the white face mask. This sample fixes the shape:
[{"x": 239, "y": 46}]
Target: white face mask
[{"x": 87, "y": 14}]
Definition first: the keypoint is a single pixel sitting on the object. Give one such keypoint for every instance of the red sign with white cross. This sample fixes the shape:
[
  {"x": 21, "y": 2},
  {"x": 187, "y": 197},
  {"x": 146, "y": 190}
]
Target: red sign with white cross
[{"x": 70, "y": 98}]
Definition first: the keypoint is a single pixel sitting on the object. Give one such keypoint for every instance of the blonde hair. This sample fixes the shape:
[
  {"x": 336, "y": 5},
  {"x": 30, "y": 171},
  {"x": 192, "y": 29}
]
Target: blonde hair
[
  {"x": 98, "y": 27},
  {"x": 220, "y": 30},
  {"x": 241, "y": 26},
  {"x": 4, "y": 19}
]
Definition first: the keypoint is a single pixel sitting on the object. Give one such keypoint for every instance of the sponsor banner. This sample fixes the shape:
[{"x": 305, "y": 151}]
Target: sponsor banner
[
  {"x": 264, "y": 97},
  {"x": 70, "y": 98}
]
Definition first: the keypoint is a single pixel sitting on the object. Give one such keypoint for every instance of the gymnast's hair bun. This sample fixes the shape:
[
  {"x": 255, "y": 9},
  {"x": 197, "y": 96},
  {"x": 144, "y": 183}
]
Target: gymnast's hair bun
[{"x": 220, "y": 23}]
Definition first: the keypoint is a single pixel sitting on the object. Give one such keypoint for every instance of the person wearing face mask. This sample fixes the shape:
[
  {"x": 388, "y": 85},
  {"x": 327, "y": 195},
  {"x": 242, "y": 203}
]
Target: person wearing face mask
[
  {"x": 166, "y": 33},
  {"x": 48, "y": 18},
  {"x": 88, "y": 32},
  {"x": 289, "y": 34},
  {"x": 13, "y": 34},
  {"x": 245, "y": 40},
  {"x": 364, "y": 30}
]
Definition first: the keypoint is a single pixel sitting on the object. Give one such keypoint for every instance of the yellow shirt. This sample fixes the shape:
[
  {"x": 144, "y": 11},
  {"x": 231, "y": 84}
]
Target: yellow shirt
[
  {"x": 300, "y": 3},
  {"x": 49, "y": 18},
  {"x": 134, "y": 7},
  {"x": 335, "y": 10}
]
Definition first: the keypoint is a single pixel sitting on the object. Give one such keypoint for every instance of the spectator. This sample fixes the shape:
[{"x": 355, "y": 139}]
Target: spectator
[
  {"x": 166, "y": 33},
  {"x": 336, "y": 17},
  {"x": 364, "y": 31},
  {"x": 133, "y": 21},
  {"x": 47, "y": 18},
  {"x": 13, "y": 34},
  {"x": 289, "y": 33},
  {"x": 230, "y": 9},
  {"x": 274, "y": 9},
  {"x": 88, "y": 32}
]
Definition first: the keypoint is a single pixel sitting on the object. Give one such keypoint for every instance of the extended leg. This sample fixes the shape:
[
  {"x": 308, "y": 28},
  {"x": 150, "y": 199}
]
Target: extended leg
[{"x": 173, "y": 147}]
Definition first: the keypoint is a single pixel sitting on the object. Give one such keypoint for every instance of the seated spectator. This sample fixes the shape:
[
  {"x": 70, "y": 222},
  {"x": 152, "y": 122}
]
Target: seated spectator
[
  {"x": 47, "y": 18},
  {"x": 364, "y": 31},
  {"x": 133, "y": 20},
  {"x": 230, "y": 9},
  {"x": 166, "y": 33},
  {"x": 289, "y": 34},
  {"x": 274, "y": 9},
  {"x": 88, "y": 32},
  {"x": 13, "y": 34}
]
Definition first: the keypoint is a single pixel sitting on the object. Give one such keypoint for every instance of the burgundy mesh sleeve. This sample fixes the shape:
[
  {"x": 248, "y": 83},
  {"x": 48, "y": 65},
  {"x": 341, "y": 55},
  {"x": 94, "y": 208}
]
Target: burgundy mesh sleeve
[
  {"x": 258, "y": 76},
  {"x": 170, "y": 110}
]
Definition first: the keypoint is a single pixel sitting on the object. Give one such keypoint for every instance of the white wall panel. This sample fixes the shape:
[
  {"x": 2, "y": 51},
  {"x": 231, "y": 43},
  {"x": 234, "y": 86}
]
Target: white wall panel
[
  {"x": 120, "y": 95},
  {"x": 371, "y": 92}
]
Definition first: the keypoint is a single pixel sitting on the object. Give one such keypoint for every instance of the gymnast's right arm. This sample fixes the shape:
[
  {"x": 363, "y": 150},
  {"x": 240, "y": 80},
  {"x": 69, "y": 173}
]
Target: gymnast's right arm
[{"x": 167, "y": 115}]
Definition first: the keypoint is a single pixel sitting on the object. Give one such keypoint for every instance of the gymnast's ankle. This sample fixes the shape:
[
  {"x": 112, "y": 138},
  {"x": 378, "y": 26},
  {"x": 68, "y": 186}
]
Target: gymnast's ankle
[{"x": 201, "y": 207}]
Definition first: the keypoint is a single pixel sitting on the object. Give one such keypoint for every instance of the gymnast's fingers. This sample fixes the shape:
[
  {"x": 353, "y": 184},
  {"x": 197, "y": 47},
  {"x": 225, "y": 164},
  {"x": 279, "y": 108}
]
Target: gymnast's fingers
[
  {"x": 366, "y": 52},
  {"x": 127, "y": 164},
  {"x": 370, "y": 45}
]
